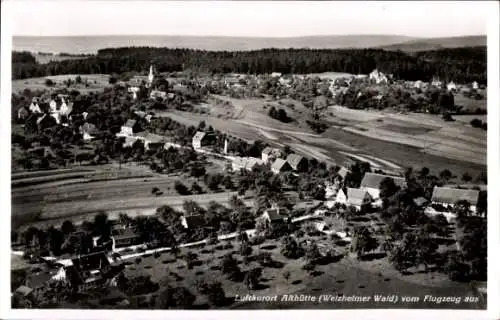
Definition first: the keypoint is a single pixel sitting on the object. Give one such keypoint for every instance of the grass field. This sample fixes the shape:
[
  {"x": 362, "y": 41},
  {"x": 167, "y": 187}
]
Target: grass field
[
  {"x": 95, "y": 82},
  {"x": 470, "y": 104}
]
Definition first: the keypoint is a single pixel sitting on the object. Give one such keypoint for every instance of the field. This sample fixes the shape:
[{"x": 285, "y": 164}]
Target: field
[
  {"x": 390, "y": 141},
  {"x": 95, "y": 82},
  {"x": 48, "y": 197},
  {"x": 470, "y": 104}
]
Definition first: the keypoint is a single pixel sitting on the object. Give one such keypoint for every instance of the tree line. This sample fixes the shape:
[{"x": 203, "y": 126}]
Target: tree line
[{"x": 462, "y": 65}]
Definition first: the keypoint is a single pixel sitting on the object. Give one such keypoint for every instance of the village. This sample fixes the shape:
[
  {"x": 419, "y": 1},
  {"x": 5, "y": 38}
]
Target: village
[{"x": 277, "y": 195}]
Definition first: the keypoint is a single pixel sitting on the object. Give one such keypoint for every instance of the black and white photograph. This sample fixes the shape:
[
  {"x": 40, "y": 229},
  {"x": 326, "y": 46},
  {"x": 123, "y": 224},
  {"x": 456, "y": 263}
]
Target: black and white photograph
[{"x": 249, "y": 155}]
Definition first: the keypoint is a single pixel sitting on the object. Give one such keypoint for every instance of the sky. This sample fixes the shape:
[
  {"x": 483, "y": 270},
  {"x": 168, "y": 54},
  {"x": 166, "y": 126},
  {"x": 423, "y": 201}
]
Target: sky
[{"x": 253, "y": 19}]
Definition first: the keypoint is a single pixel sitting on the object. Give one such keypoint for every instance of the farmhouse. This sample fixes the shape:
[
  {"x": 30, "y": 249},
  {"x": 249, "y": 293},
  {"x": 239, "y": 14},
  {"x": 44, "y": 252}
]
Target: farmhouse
[
  {"x": 34, "y": 106},
  {"x": 341, "y": 197},
  {"x": 451, "y": 86},
  {"x": 276, "y": 74},
  {"x": 130, "y": 128},
  {"x": 436, "y": 83},
  {"x": 134, "y": 90},
  {"x": 449, "y": 196},
  {"x": 280, "y": 165},
  {"x": 247, "y": 163},
  {"x": 194, "y": 221},
  {"x": 475, "y": 85},
  {"x": 202, "y": 139},
  {"x": 270, "y": 154},
  {"x": 124, "y": 238},
  {"x": 151, "y": 141},
  {"x": 297, "y": 162},
  {"x": 273, "y": 216},
  {"x": 358, "y": 198},
  {"x": 88, "y": 130},
  {"x": 371, "y": 183}
]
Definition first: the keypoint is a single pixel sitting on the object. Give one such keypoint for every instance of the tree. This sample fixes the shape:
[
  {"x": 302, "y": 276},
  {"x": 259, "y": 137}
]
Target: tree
[
  {"x": 49, "y": 82},
  {"x": 181, "y": 188},
  {"x": 67, "y": 227},
  {"x": 190, "y": 259},
  {"x": 456, "y": 268},
  {"x": 405, "y": 255},
  {"x": 229, "y": 266},
  {"x": 176, "y": 297},
  {"x": 312, "y": 251},
  {"x": 388, "y": 188},
  {"x": 286, "y": 275},
  {"x": 290, "y": 248},
  {"x": 196, "y": 188},
  {"x": 102, "y": 226},
  {"x": 445, "y": 174},
  {"x": 252, "y": 278},
  {"x": 78, "y": 79},
  {"x": 214, "y": 292},
  {"x": 466, "y": 177},
  {"x": 426, "y": 249},
  {"x": 363, "y": 241},
  {"x": 245, "y": 249}
]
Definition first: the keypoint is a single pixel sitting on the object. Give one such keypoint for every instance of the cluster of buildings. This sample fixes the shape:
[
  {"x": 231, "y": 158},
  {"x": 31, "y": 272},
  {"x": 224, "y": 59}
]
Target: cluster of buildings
[
  {"x": 59, "y": 108},
  {"x": 368, "y": 195}
]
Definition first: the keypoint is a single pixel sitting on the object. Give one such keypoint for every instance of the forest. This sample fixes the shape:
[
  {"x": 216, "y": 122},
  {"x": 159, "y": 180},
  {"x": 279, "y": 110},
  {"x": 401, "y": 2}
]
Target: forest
[{"x": 461, "y": 65}]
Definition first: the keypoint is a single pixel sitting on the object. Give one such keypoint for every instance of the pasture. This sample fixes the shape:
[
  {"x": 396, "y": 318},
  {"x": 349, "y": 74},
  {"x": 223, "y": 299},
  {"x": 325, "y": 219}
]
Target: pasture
[
  {"x": 471, "y": 104},
  {"x": 95, "y": 82}
]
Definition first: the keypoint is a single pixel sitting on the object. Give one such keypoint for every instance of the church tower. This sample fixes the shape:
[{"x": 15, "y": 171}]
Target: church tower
[{"x": 151, "y": 75}]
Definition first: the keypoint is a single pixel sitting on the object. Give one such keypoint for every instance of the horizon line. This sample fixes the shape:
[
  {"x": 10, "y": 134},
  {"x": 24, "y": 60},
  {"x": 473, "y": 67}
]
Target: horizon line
[{"x": 252, "y": 37}]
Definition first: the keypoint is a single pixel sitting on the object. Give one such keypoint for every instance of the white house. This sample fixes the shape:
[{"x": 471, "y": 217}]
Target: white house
[
  {"x": 280, "y": 165},
  {"x": 341, "y": 197},
  {"x": 436, "y": 82},
  {"x": 418, "y": 84},
  {"x": 276, "y": 74},
  {"x": 358, "y": 198},
  {"x": 371, "y": 183},
  {"x": 134, "y": 91},
  {"x": 378, "y": 77},
  {"x": 449, "y": 196},
  {"x": 199, "y": 140},
  {"x": 247, "y": 163},
  {"x": 88, "y": 130},
  {"x": 34, "y": 107},
  {"x": 451, "y": 86},
  {"x": 475, "y": 85},
  {"x": 129, "y": 128}
]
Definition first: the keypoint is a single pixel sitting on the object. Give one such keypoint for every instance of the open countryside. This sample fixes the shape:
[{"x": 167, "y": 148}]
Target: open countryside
[{"x": 143, "y": 178}]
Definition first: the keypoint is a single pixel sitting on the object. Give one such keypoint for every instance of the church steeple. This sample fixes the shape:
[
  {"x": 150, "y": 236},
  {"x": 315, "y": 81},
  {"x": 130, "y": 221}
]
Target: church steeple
[{"x": 151, "y": 75}]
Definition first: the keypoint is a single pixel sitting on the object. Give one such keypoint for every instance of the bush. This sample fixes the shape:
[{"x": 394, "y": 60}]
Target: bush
[
  {"x": 49, "y": 83},
  {"x": 181, "y": 188}
]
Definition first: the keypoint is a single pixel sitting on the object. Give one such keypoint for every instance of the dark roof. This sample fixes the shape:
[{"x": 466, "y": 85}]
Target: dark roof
[
  {"x": 372, "y": 180},
  {"x": 451, "y": 195},
  {"x": 92, "y": 261},
  {"x": 294, "y": 160},
  {"x": 275, "y": 214},
  {"x": 195, "y": 220}
]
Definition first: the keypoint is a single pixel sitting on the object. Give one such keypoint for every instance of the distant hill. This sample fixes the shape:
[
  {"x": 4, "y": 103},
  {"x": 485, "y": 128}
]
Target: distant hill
[
  {"x": 91, "y": 44},
  {"x": 436, "y": 43}
]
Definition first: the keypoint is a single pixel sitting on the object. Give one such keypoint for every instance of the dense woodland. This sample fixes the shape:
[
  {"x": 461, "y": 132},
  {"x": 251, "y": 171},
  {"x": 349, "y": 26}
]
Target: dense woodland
[{"x": 462, "y": 65}]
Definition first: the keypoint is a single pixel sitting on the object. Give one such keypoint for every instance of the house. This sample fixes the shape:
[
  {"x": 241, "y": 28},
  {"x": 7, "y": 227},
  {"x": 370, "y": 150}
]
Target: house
[
  {"x": 92, "y": 261},
  {"x": 158, "y": 94},
  {"x": 247, "y": 163},
  {"x": 358, "y": 198},
  {"x": 342, "y": 173},
  {"x": 273, "y": 216},
  {"x": 88, "y": 130},
  {"x": 193, "y": 221},
  {"x": 436, "y": 83},
  {"x": 134, "y": 90},
  {"x": 270, "y": 154},
  {"x": 130, "y": 128},
  {"x": 151, "y": 141},
  {"x": 124, "y": 238},
  {"x": 280, "y": 165},
  {"x": 475, "y": 85},
  {"x": 371, "y": 183},
  {"x": 276, "y": 74},
  {"x": 330, "y": 190},
  {"x": 297, "y": 162},
  {"x": 341, "y": 197},
  {"x": 421, "y": 202},
  {"x": 378, "y": 77},
  {"x": 202, "y": 139},
  {"x": 452, "y": 87},
  {"x": 419, "y": 84},
  {"x": 449, "y": 196},
  {"x": 22, "y": 113},
  {"x": 34, "y": 106}
]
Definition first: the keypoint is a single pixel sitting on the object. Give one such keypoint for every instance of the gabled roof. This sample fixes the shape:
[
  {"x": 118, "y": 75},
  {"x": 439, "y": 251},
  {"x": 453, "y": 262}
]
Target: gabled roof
[
  {"x": 199, "y": 136},
  {"x": 130, "y": 123},
  {"x": 278, "y": 164},
  {"x": 294, "y": 160},
  {"x": 372, "y": 180},
  {"x": 92, "y": 261},
  {"x": 420, "y": 201},
  {"x": 343, "y": 172},
  {"x": 356, "y": 197},
  {"x": 195, "y": 220},
  {"x": 269, "y": 150},
  {"x": 275, "y": 214},
  {"x": 151, "y": 137},
  {"x": 451, "y": 195}
]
